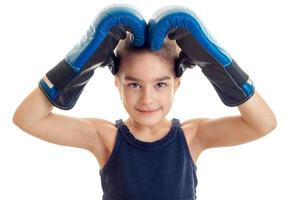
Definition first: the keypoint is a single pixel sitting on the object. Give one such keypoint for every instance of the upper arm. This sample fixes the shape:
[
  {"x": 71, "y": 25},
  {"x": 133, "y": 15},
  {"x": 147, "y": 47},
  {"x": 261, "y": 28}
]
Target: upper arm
[
  {"x": 226, "y": 131},
  {"x": 66, "y": 130}
]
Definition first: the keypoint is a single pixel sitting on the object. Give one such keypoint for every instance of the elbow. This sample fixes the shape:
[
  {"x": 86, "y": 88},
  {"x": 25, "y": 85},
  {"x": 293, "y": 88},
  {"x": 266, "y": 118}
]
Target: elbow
[
  {"x": 269, "y": 127},
  {"x": 15, "y": 119},
  {"x": 19, "y": 121},
  {"x": 273, "y": 124}
]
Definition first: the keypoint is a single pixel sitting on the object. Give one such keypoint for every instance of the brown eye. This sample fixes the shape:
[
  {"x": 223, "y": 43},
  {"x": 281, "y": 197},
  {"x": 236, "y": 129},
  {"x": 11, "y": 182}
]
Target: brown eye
[
  {"x": 133, "y": 85},
  {"x": 161, "y": 84}
]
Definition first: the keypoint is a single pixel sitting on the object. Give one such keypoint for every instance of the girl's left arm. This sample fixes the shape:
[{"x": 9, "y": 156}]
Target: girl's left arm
[
  {"x": 257, "y": 114},
  {"x": 255, "y": 121}
]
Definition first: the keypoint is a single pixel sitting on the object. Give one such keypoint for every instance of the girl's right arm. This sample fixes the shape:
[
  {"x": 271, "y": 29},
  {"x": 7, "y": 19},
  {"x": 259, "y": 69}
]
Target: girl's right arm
[
  {"x": 63, "y": 84},
  {"x": 34, "y": 116}
]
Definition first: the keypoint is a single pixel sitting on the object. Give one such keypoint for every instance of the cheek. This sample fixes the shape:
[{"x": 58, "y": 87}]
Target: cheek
[{"x": 130, "y": 96}]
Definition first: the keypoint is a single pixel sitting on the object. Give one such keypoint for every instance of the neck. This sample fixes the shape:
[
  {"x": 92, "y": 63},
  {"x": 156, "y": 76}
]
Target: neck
[{"x": 153, "y": 130}]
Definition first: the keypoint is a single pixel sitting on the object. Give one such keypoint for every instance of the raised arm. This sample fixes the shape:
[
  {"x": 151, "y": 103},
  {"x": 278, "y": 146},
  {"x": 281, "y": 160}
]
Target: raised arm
[
  {"x": 258, "y": 115},
  {"x": 63, "y": 84},
  {"x": 34, "y": 116},
  {"x": 231, "y": 83},
  {"x": 256, "y": 120}
]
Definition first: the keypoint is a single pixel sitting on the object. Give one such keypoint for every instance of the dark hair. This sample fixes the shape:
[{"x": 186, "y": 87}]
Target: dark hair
[{"x": 169, "y": 51}]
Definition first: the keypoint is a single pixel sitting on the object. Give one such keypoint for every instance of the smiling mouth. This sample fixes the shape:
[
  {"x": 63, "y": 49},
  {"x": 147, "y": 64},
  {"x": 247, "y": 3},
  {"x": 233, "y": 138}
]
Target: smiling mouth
[{"x": 147, "y": 111}]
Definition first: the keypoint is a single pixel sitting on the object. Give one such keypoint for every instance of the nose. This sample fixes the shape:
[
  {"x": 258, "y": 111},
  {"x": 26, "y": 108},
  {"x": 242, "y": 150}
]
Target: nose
[{"x": 146, "y": 96}]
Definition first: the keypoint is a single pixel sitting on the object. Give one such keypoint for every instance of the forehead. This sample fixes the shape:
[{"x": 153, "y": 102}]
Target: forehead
[
  {"x": 145, "y": 60},
  {"x": 146, "y": 66}
]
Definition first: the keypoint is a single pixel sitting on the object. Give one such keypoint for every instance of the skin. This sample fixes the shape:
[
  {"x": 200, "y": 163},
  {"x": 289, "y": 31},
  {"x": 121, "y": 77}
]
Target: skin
[
  {"x": 141, "y": 90},
  {"x": 35, "y": 116}
]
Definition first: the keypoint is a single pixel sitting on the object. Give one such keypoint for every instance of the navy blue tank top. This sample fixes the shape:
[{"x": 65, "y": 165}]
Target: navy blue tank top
[{"x": 140, "y": 170}]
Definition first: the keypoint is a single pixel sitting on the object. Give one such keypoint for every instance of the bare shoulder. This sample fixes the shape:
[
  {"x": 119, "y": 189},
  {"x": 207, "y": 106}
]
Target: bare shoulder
[
  {"x": 222, "y": 132},
  {"x": 191, "y": 128},
  {"x": 106, "y": 133},
  {"x": 192, "y": 125},
  {"x": 103, "y": 126}
]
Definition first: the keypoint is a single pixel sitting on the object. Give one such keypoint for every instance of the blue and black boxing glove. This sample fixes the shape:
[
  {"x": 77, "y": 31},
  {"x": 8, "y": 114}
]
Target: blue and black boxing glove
[
  {"x": 64, "y": 83},
  {"x": 232, "y": 84}
]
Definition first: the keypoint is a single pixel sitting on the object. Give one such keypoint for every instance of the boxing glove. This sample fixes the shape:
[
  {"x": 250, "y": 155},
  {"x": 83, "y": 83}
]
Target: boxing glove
[
  {"x": 231, "y": 83},
  {"x": 64, "y": 83}
]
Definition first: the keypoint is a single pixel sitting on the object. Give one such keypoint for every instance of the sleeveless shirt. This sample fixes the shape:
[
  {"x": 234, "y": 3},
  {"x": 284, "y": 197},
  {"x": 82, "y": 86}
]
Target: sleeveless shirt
[{"x": 140, "y": 170}]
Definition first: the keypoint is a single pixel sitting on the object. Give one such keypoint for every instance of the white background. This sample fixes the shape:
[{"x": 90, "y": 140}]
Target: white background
[{"x": 262, "y": 36}]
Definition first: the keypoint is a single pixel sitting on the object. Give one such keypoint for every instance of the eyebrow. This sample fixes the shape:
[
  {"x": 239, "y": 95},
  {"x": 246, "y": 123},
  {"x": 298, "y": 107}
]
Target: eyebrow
[{"x": 129, "y": 78}]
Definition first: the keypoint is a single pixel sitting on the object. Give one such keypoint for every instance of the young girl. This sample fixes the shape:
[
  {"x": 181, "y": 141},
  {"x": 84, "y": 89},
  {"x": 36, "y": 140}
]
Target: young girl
[{"x": 145, "y": 156}]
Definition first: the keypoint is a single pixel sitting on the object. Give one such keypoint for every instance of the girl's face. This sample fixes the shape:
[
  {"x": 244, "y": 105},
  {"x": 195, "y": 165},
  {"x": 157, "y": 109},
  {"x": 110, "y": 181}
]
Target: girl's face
[{"x": 147, "y": 85}]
